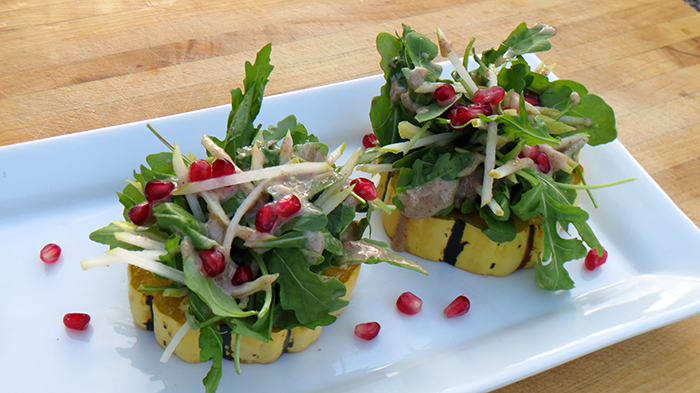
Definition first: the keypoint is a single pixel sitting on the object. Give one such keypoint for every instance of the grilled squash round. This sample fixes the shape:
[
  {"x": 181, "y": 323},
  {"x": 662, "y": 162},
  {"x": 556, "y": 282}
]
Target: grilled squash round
[
  {"x": 458, "y": 240},
  {"x": 166, "y": 315}
]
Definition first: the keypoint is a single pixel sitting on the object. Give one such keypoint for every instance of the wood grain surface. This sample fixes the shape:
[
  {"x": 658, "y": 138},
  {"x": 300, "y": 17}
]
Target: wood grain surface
[{"x": 68, "y": 66}]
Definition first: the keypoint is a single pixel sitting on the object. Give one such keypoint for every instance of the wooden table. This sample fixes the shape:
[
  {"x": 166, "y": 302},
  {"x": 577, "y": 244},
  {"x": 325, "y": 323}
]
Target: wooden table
[{"x": 72, "y": 65}]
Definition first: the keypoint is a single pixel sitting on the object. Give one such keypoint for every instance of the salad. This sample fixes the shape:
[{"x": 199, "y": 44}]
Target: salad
[
  {"x": 250, "y": 240},
  {"x": 496, "y": 148}
]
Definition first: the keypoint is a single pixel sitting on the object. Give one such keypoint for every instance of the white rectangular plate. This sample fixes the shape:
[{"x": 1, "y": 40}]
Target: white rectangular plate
[{"x": 61, "y": 189}]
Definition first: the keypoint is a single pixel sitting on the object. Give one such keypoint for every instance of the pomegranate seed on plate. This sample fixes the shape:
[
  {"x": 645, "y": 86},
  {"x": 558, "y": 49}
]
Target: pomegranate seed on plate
[
  {"x": 266, "y": 218},
  {"x": 369, "y": 140},
  {"x": 200, "y": 170},
  {"x": 593, "y": 260},
  {"x": 444, "y": 94},
  {"x": 409, "y": 304},
  {"x": 242, "y": 275},
  {"x": 542, "y": 161},
  {"x": 492, "y": 95},
  {"x": 222, "y": 168},
  {"x": 76, "y": 320},
  {"x": 140, "y": 214},
  {"x": 458, "y": 307},
  {"x": 158, "y": 189},
  {"x": 365, "y": 189},
  {"x": 367, "y": 330},
  {"x": 50, "y": 253},
  {"x": 213, "y": 261},
  {"x": 287, "y": 206}
]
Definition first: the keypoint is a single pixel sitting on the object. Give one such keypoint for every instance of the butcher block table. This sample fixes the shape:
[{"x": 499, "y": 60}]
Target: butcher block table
[{"x": 68, "y": 66}]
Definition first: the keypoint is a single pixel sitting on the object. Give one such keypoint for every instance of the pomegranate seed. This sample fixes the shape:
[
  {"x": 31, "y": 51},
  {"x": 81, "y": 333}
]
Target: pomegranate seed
[
  {"x": 367, "y": 330},
  {"x": 444, "y": 94},
  {"x": 492, "y": 95},
  {"x": 141, "y": 214},
  {"x": 593, "y": 260},
  {"x": 365, "y": 189},
  {"x": 458, "y": 307},
  {"x": 532, "y": 98},
  {"x": 542, "y": 161},
  {"x": 242, "y": 275},
  {"x": 222, "y": 168},
  {"x": 288, "y": 206},
  {"x": 530, "y": 152},
  {"x": 461, "y": 114},
  {"x": 213, "y": 261},
  {"x": 50, "y": 253},
  {"x": 200, "y": 170},
  {"x": 369, "y": 140},
  {"x": 409, "y": 303},
  {"x": 158, "y": 189},
  {"x": 266, "y": 218},
  {"x": 76, "y": 320}
]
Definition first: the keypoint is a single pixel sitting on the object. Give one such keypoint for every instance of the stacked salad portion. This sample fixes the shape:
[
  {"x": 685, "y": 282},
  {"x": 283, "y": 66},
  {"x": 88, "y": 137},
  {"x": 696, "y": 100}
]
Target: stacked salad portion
[
  {"x": 499, "y": 142},
  {"x": 245, "y": 234}
]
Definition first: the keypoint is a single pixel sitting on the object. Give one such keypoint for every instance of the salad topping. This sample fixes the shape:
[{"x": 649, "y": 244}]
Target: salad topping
[{"x": 498, "y": 144}]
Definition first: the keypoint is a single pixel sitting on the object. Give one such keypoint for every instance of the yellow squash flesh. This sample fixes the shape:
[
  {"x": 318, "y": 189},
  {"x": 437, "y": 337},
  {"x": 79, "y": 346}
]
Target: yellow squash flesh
[
  {"x": 458, "y": 240},
  {"x": 166, "y": 315}
]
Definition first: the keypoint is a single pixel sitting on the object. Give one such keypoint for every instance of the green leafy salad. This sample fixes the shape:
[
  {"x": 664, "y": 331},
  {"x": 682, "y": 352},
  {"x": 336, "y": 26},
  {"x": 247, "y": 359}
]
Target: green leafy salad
[
  {"x": 501, "y": 141},
  {"x": 246, "y": 232}
]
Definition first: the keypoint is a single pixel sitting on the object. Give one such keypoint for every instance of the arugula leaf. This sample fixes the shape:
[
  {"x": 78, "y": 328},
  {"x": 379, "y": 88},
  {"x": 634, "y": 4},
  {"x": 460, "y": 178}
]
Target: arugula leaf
[
  {"x": 246, "y": 106},
  {"x": 513, "y": 77},
  {"x": 519, "y": 127},
  {"x": 175, "y": 218},
  {"x": 530, "y": 40},
  {"x": 422, "y": 51},
  {"x": 302, "y": 290},
  {"x": 433, "y": 164},
  {"x": 340, "y": 218},
  {"x": 212, "y": 347}
]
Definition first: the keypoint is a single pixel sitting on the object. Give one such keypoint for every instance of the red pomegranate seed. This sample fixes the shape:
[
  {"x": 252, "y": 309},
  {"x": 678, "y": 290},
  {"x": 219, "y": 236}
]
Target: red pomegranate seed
[
  {"x": 444, "y": 94},
  {"x": 532, "y": 98},
  {"x": 593, "y": 260},
  {"x": 460, "y": 114},
  {"x": 369, "y": 140},
  {"x": 409, "y": 303},
  {"x": 222, "y": 168},
  {"x": 200, "y": 170},
  {"x": 367, "y": 330},
  {"x": 542, "y": 161},
  {"x": 141, "y": 214},
  {"x": 492, "y": 95},
  {"x": 242, "y": 275},
  {"x": 530, "y": 152},
  {"x": 288, "y": 206},
  {"x": 50, "y": 253},
  {"x": 158, "y": 189},
  {"x": 266, "y": 218},
  {"x": 458, "y": 307},
  {"x": 76, "y": 320},
  {"x": 365, "y": 189},
  {"x": 213, "y": 261}
]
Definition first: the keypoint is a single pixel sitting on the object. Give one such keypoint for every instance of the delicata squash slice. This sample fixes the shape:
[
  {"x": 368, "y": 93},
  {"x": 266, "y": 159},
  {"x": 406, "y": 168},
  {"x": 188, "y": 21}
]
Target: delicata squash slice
[
  {"x": 483, "y": 164},
  {"x": 247, "y": 252}
]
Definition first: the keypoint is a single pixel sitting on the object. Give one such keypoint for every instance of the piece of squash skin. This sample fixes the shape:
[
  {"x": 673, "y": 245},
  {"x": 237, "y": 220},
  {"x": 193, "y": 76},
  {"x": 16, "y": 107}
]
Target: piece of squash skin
[
  {"x": 457, "y": 239},
  {"x": 166, "y": 315}
]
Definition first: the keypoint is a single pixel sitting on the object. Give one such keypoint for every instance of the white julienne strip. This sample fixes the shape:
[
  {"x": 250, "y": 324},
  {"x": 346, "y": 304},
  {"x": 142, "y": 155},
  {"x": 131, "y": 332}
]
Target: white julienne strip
[
  {"x": 247, "y": 203},
  {"x": 334, "y": 200},
  {"x": 174, "y": 342},
  {"x": 147, "y": 260},
  {"x": 345, "y": 172},
  {"x": 438, "y": 139},
  {"x": 257, "y": 160},
  {"x": 144, "y": 242},
  {"x": 302, "y": 168},
  {"x": 215, "y": 207},
  {"x": 446, "y": 50},
  {"x": 183, "y": 177},
  {"x": 489, "y": 163},
  {"x": 217, "y": 152},
  {"x": 335, "y": 154},
  {"x": 376, "y": 168},
  {"x": 286, "y": 148}
]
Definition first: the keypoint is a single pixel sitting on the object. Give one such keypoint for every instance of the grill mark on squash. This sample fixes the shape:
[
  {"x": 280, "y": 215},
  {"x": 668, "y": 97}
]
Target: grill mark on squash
[
  {"x": 225, "y": 331},
  {"x": 149, "y": 303},
  {"x": 528, "y": 249},
  {"x": 454, "y": 245}
]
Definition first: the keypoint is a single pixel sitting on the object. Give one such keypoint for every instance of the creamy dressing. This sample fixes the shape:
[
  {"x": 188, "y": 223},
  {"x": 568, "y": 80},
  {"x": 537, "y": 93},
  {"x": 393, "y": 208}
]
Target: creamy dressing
[{"x": 428, "y": 199}]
